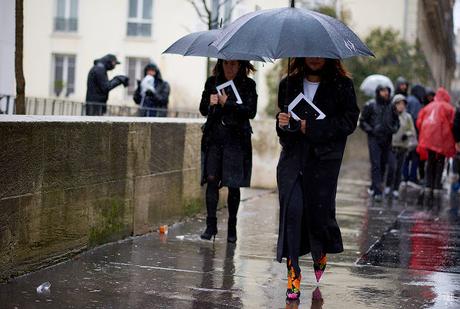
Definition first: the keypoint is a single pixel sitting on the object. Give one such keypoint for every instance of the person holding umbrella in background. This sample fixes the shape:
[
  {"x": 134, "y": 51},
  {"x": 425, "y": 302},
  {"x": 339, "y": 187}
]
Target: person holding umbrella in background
[
  {"x": 226, "y": 143},
  {"x": 309, "y": 163}
]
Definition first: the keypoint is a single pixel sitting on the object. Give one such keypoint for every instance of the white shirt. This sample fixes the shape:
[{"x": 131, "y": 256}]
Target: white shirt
[{"x": 309, "y": 89}]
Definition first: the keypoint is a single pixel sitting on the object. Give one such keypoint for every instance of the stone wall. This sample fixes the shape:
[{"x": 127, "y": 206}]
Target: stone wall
[{"x": 70, "y": 183}]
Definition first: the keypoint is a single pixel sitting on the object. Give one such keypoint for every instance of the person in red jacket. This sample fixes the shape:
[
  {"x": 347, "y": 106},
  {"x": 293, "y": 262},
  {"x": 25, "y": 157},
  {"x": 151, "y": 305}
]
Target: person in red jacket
[{"x": 436, "y": 140}]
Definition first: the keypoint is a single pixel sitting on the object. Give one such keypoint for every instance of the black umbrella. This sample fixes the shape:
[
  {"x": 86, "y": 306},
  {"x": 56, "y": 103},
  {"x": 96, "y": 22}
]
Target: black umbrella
[
  {"x": 290, "y": 32},
  {"x": 198, "y": 44}
]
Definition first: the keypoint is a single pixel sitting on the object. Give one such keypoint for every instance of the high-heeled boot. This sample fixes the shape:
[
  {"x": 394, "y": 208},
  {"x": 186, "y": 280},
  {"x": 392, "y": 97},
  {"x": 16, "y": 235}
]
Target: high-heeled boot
[
  {"x": 294, "y": 278},
  {"x": 319, "y": 266},
  {"x": 211, "y": 229},
  {"x": 231, "y": 234}
]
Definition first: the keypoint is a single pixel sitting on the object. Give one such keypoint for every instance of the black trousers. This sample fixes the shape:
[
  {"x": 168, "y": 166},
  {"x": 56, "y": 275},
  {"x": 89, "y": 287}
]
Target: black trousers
[
  {"x": 214, "y": 172},
  {"x": 434, "y": 169},
  {"x": 395, "y": 163},
  {"x": 379, "y": 151}
]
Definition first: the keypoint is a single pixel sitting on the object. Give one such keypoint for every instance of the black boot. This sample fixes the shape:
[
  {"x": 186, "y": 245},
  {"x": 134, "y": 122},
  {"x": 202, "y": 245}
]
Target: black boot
[
  {"x": 211, "y": 229},
  {"x": 231, "y": 234}
]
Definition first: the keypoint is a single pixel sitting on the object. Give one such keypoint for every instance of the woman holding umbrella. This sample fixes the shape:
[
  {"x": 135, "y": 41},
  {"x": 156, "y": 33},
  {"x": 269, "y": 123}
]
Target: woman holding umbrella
[
  {"x": 310, "y": 161},
  {"x": 226, "y": 143}
]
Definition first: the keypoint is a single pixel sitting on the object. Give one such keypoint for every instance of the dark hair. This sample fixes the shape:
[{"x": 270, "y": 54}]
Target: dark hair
[
  {"x": 245, "y": 68},
  {"x": 332, "y": 67}
]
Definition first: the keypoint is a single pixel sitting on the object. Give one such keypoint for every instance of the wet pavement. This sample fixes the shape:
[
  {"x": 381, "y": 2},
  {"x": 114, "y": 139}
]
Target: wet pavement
[{"x": 398, "y": 254}]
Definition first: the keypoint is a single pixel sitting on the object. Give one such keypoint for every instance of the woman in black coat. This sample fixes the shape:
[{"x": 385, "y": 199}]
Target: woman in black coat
[
  {"x": 310, "y": 161},
  {"x": 226, "y": 143}
]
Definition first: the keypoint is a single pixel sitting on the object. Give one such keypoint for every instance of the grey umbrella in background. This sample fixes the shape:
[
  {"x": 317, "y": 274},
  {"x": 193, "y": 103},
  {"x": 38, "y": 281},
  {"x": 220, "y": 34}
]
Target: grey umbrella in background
[
  {"x": 290, "y": 32},
  {"x": 371, "y": 83},
  {"x": 198, "y": 44}
]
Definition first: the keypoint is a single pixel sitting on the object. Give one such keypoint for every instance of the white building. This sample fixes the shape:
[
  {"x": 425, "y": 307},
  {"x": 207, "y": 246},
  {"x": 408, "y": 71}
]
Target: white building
[
  {"x": 63, "y": 37},
  {"x": 7, "y": 39}
]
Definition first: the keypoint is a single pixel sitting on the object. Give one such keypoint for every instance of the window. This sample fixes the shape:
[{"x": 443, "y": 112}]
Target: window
[
  {"x": 135, "y": 69},
  {"x": 140, "y": 18},
  {"x": 66, "y": 19},
  {"x": 63, "y": 75}
]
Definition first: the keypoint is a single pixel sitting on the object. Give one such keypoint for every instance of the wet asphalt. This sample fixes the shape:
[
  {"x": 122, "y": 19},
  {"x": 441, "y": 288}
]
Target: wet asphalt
[{"x": 398, "y": 254}]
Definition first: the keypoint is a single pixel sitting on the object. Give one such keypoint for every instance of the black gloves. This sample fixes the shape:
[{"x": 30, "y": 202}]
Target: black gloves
[{"x": 123, "y": 79}]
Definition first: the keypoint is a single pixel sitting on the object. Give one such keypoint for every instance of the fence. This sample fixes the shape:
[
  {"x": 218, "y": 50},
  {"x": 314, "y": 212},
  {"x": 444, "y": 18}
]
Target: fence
[{"x": 60, "y": 107}]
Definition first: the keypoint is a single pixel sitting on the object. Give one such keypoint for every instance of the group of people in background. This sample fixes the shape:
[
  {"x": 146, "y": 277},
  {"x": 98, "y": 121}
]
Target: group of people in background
[
  {"x": 151, "y": 94},
  {"x": 410, "y": 138}
]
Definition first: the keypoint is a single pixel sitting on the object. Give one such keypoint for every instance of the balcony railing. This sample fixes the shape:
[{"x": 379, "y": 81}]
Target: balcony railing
[
  {"x": 60, "y": 107},
  {"x": 62, "y": 24}
]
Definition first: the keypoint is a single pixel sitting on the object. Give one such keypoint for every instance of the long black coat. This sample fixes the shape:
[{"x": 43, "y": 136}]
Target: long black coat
[
  {"x": 99, "y": 86},
  {"x": 237, "y": 149},
  {"x": 316, "y": 156}
]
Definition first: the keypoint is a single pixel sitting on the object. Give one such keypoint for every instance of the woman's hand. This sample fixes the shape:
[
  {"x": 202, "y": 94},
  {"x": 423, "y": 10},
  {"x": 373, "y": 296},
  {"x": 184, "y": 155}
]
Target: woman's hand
[
  {"x": 303, "y": 126},
  {"x": 283, "y": 119},
  {"x": 223, "y": 98},
  {"x": 213, "y": 100}
]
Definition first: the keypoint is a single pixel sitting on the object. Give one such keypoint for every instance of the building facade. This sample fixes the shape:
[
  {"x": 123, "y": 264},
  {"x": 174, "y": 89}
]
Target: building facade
[{"x": 62, "y": 38}]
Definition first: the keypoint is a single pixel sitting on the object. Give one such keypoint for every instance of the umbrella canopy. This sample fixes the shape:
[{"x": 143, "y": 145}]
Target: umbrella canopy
[
  {"x": 371, "y": 83},
  {"x": 198, "y": 44},
  {"x": 290, "y": 32}
]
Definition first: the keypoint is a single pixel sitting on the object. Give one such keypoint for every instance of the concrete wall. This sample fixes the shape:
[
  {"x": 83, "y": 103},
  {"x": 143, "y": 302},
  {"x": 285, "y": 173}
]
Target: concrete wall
[{"x": 71, "y": 183}]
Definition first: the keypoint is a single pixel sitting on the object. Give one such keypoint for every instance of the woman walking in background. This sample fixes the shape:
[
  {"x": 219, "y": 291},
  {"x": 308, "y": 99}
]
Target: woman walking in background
[
  {"x": 226, "y": 143},
  {"x": 309, "y": 164}
]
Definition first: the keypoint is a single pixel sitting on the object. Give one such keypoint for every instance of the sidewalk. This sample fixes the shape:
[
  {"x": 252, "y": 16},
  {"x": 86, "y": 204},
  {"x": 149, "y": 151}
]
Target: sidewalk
[{"x": 395, "y": 257}]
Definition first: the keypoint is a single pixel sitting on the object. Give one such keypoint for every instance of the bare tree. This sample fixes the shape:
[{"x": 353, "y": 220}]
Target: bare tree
[
  {"x": 18, "y": 55},
  {"x": 209, "y": 14}
]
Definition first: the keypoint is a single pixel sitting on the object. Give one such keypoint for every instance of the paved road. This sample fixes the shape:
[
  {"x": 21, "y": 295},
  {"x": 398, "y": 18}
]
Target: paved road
[{"x": 398, "y": 254}]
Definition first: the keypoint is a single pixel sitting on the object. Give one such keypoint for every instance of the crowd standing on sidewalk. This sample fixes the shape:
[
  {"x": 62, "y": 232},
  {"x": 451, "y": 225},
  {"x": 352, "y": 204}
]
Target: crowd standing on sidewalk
[{"x": 411, "y": 139}]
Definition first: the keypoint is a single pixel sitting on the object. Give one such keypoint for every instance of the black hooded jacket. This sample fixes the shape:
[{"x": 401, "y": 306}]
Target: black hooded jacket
[
  {"x": 98, "y": 84},
  {"x": 157, "y": 99},
  {"x": 379, "y": 117},
  {"x": 401, "y": 81}
]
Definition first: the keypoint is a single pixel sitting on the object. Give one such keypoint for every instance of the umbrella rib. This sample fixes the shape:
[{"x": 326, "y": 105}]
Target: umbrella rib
[{"x": 321, "y": 22}]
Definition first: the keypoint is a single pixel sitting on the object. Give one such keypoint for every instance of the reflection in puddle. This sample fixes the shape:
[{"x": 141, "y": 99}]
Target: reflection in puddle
[{"x": 317, "y": 301}]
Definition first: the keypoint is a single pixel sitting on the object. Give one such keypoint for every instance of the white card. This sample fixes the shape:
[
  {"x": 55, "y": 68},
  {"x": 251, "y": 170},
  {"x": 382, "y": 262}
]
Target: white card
[
  {"x": 298, "y": 100},
  {"x": 227, "y": 86}
]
